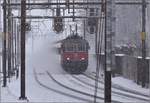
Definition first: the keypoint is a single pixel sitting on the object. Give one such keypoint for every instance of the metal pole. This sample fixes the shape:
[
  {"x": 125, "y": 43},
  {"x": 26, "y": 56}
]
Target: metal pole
[
  {"x": 12, "y": 46},
  {"x": 23, "y": 32},
  {"x": 9, "y": 40},
  {"x": 15, "y": 44},
  {"x": 18, "y": 50},
  {"x": 73, "y": 11},
  {"x": 84, "y": 29},
  {"x": 4, "y": 43},
  {"x": 108, "y": 48},
  {"x": 143, "y": 37}
]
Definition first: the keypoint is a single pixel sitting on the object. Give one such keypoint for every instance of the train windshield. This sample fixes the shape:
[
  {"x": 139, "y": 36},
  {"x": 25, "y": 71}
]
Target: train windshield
[{"x": 75, "y": 47}]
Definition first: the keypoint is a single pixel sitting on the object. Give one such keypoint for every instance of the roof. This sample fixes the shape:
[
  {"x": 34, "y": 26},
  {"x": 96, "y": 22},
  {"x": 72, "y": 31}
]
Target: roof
[{"x": 75, "y": 39}]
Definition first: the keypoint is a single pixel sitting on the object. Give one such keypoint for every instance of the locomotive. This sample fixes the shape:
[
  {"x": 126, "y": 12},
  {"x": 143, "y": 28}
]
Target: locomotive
[{"x": 74, "y": 54}]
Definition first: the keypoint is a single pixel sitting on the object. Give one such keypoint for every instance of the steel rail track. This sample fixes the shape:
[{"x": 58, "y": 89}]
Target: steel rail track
[
  {"x": 75, "y": 90},
  {"x": 118, "y": 93},
  {"x": 119, "y": 87},
  {"x": 102, "y": 90},
  {"x": 57, "y": 91},
  {"x": 77, "y": 83}
]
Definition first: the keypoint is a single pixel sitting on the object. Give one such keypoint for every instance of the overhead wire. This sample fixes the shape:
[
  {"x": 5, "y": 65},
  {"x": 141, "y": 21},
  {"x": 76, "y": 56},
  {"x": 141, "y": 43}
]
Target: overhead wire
[{"x": 99, "y": 44}]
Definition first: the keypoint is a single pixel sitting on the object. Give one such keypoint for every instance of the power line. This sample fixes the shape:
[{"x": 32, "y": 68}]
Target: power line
[{"x": 99, "y": 40}]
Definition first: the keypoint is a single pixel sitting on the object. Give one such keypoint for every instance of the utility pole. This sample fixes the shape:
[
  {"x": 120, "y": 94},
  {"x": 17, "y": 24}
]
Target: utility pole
[
  {"x": 84, "y": 29},
  {"x": 73, "y": 11},
  {"x": 143, "y": 37},
  {"x": 12, "y": 46},
  {"x": 100, "y": 26},
  {"x": 109, "y": 4},
  {"x": 18, "y": 50},
  {"x": 23, "y": 32},
  {"x": 15, "y": 46},
  {"x": 4, "y": 43},
  {"x": 9, "y": 40}
]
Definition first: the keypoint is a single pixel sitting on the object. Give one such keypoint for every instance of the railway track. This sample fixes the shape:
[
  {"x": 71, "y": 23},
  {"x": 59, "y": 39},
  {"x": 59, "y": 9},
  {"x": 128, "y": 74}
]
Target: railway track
[
  {"x": 78, "y": 83},
  {"x": 115, "y": 86},
  {"x": 57, "y": 91},
  {"x": 75, "y": 90},
  {"x": 114, "y": 92},
  {"x": 101, "y": 90}
]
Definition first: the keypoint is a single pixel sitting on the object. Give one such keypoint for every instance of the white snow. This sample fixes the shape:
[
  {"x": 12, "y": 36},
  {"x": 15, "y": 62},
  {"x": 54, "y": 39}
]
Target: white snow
[
  {"x": 129, "y": 84},
  {"x": 46, "y": 59},
  {"x": 119, "y": 54}
]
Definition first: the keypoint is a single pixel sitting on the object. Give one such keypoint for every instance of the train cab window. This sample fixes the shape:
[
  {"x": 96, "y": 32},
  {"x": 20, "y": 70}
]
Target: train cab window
[
  {"x": 82, "y": 47},
  {"x": 87, "y": 46},
  {"x": 75, "y": 47},
  {"x": 68, "y": 47},
  {"x": 71, "y": 48}
]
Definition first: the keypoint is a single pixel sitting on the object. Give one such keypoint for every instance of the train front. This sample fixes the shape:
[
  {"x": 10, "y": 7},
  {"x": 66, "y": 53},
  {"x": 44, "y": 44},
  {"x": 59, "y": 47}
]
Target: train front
[{"x": 74, "y": 56}]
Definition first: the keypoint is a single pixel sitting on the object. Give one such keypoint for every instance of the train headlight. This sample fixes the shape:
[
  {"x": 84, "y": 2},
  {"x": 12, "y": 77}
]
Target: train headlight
[
  {"x": 82, "y": 58},
  {"x": 68, "y": 58}
]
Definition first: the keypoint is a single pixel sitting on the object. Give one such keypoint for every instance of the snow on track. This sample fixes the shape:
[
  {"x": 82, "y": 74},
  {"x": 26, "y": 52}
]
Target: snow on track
[
  {"x": 72, "y": 88},
  {"x": 81, "y": 87},
  {"x": 57, "y": 91},
  {"x": 115, "y": 92},
  {"x": 123, "y": 87}
]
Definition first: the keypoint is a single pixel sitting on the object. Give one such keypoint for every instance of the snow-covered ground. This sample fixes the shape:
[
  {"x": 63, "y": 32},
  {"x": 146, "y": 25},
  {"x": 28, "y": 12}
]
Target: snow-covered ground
[
  {"x": 129, "y": 84},
  {"x": 42, "y": 56}
]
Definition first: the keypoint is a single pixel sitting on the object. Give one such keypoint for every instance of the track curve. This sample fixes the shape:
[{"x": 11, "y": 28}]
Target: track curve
[
  {"x": 119, "y": 87},
  {"x": 57, "y": 91},
  {"x": 115, "y": 92},
  {"x": 75, "y": 90}
]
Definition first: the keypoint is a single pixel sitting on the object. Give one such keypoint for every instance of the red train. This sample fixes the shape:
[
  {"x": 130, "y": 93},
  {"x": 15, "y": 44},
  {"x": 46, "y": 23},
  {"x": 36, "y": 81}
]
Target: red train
[{"x": 74, "y": 54}]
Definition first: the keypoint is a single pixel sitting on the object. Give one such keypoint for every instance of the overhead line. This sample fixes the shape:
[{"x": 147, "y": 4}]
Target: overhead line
[{"x": 51, "y": 17}]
